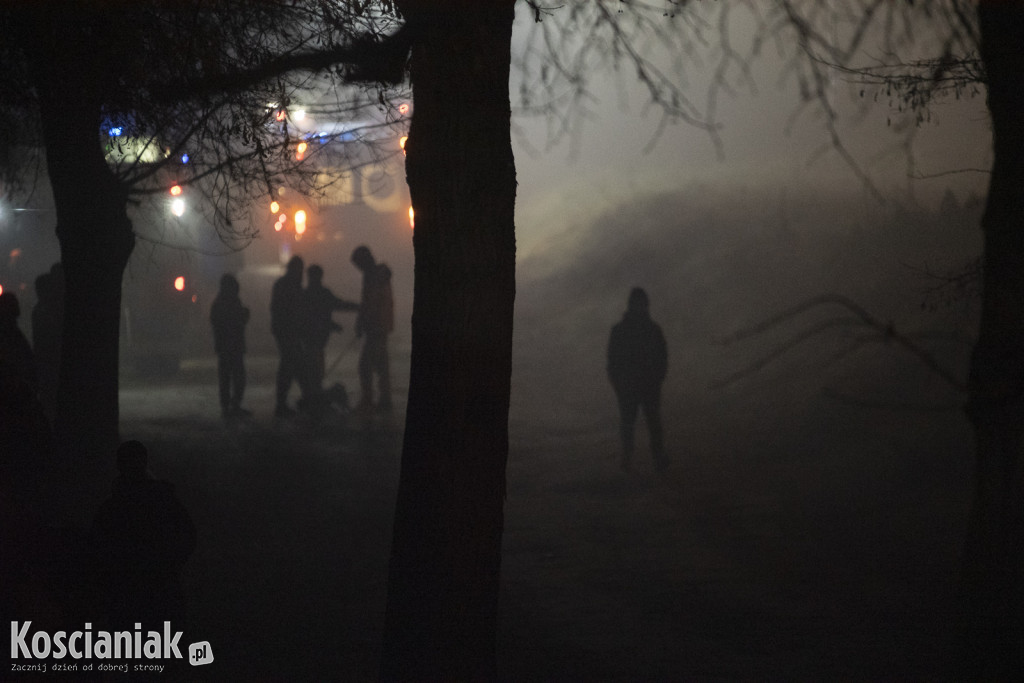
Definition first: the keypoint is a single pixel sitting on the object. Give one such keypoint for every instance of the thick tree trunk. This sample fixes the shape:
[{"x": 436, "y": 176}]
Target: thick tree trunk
[
  {"x": 445, "y": 561},
  {"x": 96, "y": 240},
  {"x": 993, "y": 571}
]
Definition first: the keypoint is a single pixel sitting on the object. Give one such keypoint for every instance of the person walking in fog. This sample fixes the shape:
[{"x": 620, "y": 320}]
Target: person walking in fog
[
  {"x": 228, "y": 317},
  {"x": 287, "y": 318},
  {"x": 376, "y": 320},
  {"x": 637, "y": 364},
  {"x": 320, "y": 304}
]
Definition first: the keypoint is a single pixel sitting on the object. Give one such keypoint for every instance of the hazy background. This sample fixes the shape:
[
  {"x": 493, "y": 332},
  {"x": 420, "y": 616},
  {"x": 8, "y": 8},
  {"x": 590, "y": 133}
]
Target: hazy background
[{"x": 809, "y": 525}]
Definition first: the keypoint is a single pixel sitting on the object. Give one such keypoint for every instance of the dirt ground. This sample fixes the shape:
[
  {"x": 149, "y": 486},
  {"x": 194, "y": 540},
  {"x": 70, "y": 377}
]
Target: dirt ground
[
  {"x": 802, "y": 541},
  {"x": 808, "y": 528}
]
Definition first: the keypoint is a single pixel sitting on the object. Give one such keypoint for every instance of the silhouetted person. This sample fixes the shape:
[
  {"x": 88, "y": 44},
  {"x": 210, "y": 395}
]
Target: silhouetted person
[
  {"x": 637, "y": 363},
  {"x": 320, "y": 304},
  {"x": 15, "y": 351},
  {"x": 376, "y": 320},
  {"x": 47, "y": 327},
  {"x": 25, "y": 447},
  {"x": 228, "y": 317},
  {"x": 25, "y": 437},
  {"x": 287, "y": 317},
  {"x": 140, "y": 539}
]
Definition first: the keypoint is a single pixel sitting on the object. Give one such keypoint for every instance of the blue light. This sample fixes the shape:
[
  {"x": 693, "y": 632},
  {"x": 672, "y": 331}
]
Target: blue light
[
  {"x": 184, "y": 158},
  {"x": 115, "y": 131}
]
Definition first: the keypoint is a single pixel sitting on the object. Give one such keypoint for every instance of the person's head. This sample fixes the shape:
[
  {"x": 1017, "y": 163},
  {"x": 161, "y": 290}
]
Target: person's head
[
  {"x": 315, "y": 274},
  {"x": 295, "y": 267},
  {"x": 57, "y": 271},
  {"x": 638, "y": 301},
  {"x": 44, "y": 285},
  {"x": 10, "y": 309},
  {"x": 229, "y": 284},
  {"x": 132, "y": 459},
  {"x": 362, "y": 257}
]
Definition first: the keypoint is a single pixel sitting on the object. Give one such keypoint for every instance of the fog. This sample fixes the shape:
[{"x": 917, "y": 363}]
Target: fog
[
  {"x": 808, "y": 526},
  {"x": 810, "y": 520}
]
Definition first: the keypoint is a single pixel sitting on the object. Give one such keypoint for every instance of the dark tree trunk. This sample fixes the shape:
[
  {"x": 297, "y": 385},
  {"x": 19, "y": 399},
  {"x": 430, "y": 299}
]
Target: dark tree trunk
[
  {"x": 993, "y": 571},
  {"x": 96, "y": 240},
  {"x": 446, "y": 554}
]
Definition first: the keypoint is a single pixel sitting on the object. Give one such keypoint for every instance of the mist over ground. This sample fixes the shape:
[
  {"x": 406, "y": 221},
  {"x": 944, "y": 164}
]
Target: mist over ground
[
  {"x": 718, "y": 260},
  {"x": 811, "y": 520},
  {"x": 809, "y": 526}
]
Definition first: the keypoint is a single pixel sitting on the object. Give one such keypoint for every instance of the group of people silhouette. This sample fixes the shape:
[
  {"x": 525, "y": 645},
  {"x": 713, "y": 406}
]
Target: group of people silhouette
[
  {"x": 126, "y": 567},
  {"x": 131, "y": 557},
  {"x": 301, "y": 323},
  {"x": 29, "y": 371}
]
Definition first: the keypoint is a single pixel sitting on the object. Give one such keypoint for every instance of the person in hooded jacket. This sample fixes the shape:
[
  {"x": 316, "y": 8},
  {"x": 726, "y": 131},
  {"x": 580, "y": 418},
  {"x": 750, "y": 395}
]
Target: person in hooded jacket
[
  {"x": 637, "y": 364},
  {"x": 375, "y": 321},
  {"x": 287, "y": 324},
  {"x": 229, "y": 317}
]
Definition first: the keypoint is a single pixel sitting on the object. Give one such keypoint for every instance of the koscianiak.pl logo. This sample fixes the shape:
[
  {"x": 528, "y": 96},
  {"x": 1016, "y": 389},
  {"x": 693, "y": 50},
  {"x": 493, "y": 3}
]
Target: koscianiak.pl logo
[{"x": 126, "y": 651}]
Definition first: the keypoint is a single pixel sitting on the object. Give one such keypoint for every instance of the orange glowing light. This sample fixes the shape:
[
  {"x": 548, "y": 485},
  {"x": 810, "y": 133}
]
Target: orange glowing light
[
  {"x": 179, "y": 283},
  {"x": 175, "y": 190},
  {"x": 274, "y": 207},
  {"x": 300, "y": 228},
  {"x": 300, "y": 217},
  {"x": 281, "y": 114},
  {"x": 282, "y": 219},
  {"x": 195, "y": 298},
  {"x": 1, "y": 289},
  {"x": 402, "y": 140},
  {"x": 412, "y": 219},
  {"x": 403, "y": 108},
  {"x": 278, "y": 226}
]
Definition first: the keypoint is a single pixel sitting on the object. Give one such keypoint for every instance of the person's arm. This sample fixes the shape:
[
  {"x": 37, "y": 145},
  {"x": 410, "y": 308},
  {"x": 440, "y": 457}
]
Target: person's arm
[
  {"x": 339, "y": 304},
  {"x": 662, "y": 353}
]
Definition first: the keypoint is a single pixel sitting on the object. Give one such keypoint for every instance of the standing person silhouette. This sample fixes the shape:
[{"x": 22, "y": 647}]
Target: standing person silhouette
[
  {"x": 228, "y": 317},
  {"x": 320, "y": 304},
  {"x": 47, "y": 327},
  {"x": 287, "y": 317},
  {"x": 15, "y": 352},
  {"x": 140, "y": 539},
  {"x": 637, "y": 364},
  {"x": 376, "y": 320}
]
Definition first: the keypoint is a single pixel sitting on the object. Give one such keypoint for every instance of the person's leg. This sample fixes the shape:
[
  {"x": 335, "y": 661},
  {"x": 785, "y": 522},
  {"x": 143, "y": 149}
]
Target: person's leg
[
  {"x": 652, "y": 415},
  {"x": 366, "y": 376},
  {"x": 285, "y": 375},
  {"x": 317, "y": 369},
  {"x": 238, "y": 380},
  {"x": 224, "y": 382},
  {"x": 383, "y": 371},
  {"x": 627, "y": 418}
]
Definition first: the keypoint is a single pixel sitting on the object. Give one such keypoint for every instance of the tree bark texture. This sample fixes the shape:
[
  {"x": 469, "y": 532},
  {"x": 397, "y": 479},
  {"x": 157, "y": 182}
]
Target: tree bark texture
[
  {"x": 993, "y": 566},
  {"x": 96, "y": 240},
  {"x": 445, "y": 561}
]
